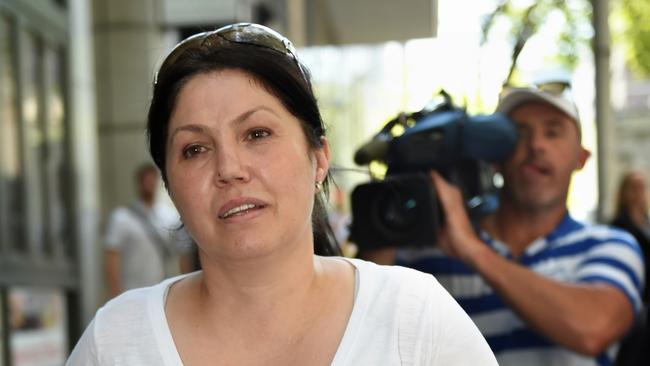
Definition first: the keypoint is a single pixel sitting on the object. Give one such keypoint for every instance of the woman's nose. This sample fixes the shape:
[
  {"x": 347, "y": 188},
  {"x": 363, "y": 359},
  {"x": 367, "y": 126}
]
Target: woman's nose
[{"x": 230, "y": 166}]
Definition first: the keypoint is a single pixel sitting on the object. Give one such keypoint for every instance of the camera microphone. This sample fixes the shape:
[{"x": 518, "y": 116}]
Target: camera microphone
[
  {"x": 375, "y": 149},
  {"x": 489, "y": 137}
]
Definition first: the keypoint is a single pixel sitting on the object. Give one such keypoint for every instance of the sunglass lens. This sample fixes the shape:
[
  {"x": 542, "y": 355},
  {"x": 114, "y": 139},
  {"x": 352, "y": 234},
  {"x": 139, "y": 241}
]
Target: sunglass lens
[{"x": 556, "y": 88}]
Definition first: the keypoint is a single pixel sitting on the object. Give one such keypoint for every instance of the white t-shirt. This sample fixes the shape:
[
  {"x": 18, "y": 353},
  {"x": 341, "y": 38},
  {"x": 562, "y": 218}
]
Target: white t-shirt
[
  {"x": 143, "y": 261},
  {"x": 400, "y": 317}
]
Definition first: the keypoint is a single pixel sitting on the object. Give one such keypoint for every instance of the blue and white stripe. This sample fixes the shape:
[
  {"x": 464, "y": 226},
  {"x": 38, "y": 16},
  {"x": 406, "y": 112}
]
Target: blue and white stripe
[{"x": 573, "y": 253}]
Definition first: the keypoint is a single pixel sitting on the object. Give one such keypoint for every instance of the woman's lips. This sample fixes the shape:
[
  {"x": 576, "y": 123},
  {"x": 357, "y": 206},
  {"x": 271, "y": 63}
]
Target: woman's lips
[
  {"x": 240, "y": 206},
  {"x": 240, "y": 210}
]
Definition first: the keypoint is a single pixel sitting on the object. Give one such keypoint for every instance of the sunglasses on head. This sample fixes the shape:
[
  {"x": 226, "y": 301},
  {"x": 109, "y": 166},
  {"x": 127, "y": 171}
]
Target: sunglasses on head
[
  {"x": 241, "y": 33},
  {"x": 558, "y": 88}
]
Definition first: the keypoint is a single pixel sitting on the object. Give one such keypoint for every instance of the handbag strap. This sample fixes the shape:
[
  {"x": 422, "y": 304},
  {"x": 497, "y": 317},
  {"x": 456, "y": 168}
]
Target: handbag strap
[{"x": 151, "y": 230}]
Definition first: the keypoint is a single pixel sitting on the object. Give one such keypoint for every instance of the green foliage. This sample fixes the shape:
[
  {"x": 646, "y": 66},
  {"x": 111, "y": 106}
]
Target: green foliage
[
  {"x": 525, "y": 19},
  {"x": 634, "y": 32}
]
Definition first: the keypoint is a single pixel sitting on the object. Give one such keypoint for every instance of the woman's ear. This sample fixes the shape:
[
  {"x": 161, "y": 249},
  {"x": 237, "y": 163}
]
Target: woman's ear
[{"x": 322, "y": 159}]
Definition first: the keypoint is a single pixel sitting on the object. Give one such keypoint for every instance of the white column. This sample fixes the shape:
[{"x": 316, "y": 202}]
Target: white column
[
  {"x": 83, "y": 135},
  {"x": 296, "y": 27},
  {"x": 605, "y": 131}
]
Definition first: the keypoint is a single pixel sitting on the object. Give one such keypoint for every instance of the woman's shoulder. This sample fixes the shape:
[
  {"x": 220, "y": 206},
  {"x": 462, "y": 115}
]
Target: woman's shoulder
[
  {"x": 130, "y": 329},
  {"x": 395, "y": 288},
  {"x": 392, "y": 276},
  {"x": 408, "y": 313},
  {"x": 405, "y": 292},
  {"x": 134, "y": 311},
  {"x": 124, "y": 313},
  {"x": 128, "y": 301}
]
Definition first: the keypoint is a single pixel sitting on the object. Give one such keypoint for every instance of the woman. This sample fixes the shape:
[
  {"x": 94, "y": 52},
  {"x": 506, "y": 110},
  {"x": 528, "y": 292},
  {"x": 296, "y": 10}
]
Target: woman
[
  {"x": 632, "y": 216},
  {"x": 236, "y": 132}
]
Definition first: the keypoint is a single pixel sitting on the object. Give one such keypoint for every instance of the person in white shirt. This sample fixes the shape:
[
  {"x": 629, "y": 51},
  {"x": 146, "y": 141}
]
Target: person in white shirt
[
  {"x": 140, "y": 241},
  {"x": 235, "y": 129}
]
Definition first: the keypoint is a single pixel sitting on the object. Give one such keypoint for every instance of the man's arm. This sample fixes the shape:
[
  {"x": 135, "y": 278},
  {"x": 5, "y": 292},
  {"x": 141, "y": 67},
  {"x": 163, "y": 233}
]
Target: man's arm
[
  {"x": 584, "y": 318},
  {"x": 112, "y": 259}
]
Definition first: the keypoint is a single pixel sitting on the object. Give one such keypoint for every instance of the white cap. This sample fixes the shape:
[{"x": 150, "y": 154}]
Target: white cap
[{"x": 517, "y": 96}]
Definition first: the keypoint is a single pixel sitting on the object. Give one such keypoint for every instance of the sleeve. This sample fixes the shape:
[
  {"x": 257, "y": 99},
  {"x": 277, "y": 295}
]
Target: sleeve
[
  {"x": 85, "y": 352},
  {"x": 616, "y": 261},
  {"x": 116, "y": 230},
  {"x": 454, "y": 338}
]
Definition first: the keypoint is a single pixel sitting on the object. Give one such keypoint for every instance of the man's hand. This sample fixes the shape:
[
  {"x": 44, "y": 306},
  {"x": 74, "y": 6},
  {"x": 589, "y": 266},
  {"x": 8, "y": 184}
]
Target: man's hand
[{"x": 457, "y": 237}]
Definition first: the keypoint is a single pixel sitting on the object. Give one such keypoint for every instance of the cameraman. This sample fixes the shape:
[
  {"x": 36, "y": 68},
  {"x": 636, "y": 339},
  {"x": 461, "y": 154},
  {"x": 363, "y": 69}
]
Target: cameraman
[{"x": 543, "y": 288}]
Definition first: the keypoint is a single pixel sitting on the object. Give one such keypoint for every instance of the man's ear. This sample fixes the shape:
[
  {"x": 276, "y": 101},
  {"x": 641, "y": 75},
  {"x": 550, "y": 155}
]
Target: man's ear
[{"x": 583, "y": 156}]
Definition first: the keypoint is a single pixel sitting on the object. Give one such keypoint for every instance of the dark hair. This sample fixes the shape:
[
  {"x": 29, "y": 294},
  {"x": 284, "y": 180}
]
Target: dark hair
[
  {"x": 622, "y": 206},
  {"x": 277, "y": 73}
]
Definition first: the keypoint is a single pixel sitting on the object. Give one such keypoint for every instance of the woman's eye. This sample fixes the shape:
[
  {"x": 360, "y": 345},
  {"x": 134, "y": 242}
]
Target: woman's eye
[
  {"x": 258, "y": 134},
  {"x": 192, "y": 151}
]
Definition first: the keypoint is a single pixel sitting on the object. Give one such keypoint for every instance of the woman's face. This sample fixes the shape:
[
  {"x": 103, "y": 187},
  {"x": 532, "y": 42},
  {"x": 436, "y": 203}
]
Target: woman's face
[
  {"x": 239, "y": 167},
  {"x": 635, "y": 195}
]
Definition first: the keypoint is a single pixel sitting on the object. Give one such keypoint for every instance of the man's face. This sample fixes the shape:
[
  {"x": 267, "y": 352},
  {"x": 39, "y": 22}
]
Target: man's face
[
  {"x": 147, "y": 185},
  {"x": 538, "y": 173}
]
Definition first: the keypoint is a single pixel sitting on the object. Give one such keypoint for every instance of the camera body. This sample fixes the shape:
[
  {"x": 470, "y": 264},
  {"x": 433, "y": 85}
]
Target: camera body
[{"x": 402, "y": 209}]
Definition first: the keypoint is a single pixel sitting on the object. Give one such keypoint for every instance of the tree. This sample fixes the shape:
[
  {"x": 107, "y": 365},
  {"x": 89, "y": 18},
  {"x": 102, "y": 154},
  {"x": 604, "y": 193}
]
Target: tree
[
  {"x": 632, "y": 29},
  {"x": 525, "y": 19}
]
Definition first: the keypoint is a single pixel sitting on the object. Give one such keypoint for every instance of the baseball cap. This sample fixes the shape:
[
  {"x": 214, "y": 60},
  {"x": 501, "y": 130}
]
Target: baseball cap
[{"x": 557, "y": 94}]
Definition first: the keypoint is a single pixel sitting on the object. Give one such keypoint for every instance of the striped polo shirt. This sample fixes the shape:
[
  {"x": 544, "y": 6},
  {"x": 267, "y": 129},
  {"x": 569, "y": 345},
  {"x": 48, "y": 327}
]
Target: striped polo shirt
[{"x": 573, "y": 253}]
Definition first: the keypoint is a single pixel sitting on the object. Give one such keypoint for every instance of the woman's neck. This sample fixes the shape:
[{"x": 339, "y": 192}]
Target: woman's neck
[{"x": 253, "y": 277}]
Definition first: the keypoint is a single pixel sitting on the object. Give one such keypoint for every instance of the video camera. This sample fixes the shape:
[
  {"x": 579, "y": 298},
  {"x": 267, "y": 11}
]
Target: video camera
[{"x": 402, "y": 209}]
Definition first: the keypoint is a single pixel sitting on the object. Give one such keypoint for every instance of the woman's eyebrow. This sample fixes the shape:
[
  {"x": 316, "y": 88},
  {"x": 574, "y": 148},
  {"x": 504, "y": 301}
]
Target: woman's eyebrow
[
  {"x": 244, "y": 116},
  {"x": 195, "y": 128},
  {"x": 200, "y": 128}
]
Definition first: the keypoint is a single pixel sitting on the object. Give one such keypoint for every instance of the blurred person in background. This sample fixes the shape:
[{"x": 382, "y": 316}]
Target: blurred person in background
[
  {"x": 543, "y": 288},
  {"x": 140, "y": 240},
  {"x": 632, "y": 213},
  {"x": 339, "y": 220},
  {"x": 632, "y": 216},
  {"x": 236, "y": 132}
]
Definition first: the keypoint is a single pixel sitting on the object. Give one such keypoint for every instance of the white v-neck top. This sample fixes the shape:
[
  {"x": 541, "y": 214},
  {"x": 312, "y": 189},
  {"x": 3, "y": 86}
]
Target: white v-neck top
[{"x": 400, "y": 317}]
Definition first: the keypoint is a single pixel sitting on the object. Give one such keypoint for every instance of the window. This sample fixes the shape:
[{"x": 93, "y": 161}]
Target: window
[
  {"x": 38, "y": 317},
  {"x": 55, "y": 158},
  {"x": 35, "y": 149},
  {"x": 12, "y": 210},
  {"x": 37, "y": 326}
]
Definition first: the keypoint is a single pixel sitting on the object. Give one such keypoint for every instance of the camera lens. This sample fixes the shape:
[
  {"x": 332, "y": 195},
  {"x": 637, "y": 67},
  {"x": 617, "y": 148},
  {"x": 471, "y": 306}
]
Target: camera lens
[
  {"x": 401, "y": 210},
  {"x": 398, "y": 211}
]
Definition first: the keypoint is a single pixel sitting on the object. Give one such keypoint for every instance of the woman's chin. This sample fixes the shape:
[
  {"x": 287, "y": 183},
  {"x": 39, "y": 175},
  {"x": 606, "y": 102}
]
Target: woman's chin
[{"x": 241, "y": 249}]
